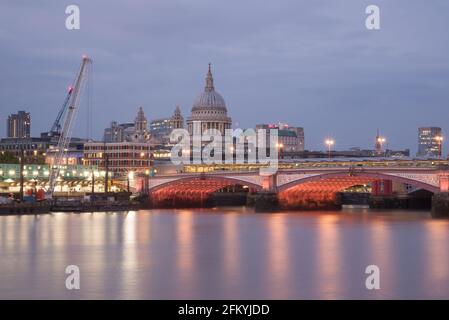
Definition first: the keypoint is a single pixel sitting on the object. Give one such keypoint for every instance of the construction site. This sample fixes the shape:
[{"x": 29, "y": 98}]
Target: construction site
[{"x": 63, "y": 184}]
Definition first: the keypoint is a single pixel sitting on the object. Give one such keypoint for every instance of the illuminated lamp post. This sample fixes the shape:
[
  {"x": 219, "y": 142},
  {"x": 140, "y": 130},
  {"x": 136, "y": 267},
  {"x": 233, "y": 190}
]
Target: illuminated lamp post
[
  {"x": 93, "y": 183},
  {"x": 280, "y": 147},
  {"x": 130, "y": 177},
  {"x": 22, "y": 163},
  {"x": 381, "y": 141},
  {"x": 106, "y": 175},
  {"x": 329, "y": 143},
  {"x": 439, "y": 140}
]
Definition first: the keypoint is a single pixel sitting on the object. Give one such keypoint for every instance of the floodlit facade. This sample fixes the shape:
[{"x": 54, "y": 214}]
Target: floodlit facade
[
  {"x": 428, "y": 141},
  {"x": 122, "y": 157}
]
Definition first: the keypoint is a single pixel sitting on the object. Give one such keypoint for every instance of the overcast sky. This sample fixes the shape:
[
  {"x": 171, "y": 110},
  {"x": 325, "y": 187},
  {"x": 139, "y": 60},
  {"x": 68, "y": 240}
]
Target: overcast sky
[{"x": 308, "y": 63}]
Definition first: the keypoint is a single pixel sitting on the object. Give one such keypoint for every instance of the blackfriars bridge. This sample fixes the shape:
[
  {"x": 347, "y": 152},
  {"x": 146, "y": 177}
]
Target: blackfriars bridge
[{"x": 294, "y": 183}]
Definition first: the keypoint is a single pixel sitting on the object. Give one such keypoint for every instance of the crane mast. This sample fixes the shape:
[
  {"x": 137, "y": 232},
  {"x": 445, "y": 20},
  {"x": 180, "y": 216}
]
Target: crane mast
[
  {"x": 56, "y": 128},
  {"x": 73, "y": 99}
]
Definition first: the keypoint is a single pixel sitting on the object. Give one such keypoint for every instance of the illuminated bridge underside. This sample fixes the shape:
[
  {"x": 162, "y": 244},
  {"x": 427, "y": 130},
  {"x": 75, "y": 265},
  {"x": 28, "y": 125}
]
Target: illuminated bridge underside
[
  {"x": 315, "y": 191},
  {"x": 295, "y": 188},
  {"x": 318, "y": 193},
  {"x": 424, "y": 180},
  {"x": 192, "y": 192}
]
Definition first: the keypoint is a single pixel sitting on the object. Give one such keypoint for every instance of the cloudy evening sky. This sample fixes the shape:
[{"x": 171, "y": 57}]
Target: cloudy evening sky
[{"x": 308, "y": 63}]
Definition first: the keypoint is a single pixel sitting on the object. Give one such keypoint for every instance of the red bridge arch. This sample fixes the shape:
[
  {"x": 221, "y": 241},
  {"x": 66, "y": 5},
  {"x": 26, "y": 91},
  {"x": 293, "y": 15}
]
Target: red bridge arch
[
  {"x": 320, "y": 191},
  {"x": 193, "y": 190},
  {"x": 362, "y": 176}
]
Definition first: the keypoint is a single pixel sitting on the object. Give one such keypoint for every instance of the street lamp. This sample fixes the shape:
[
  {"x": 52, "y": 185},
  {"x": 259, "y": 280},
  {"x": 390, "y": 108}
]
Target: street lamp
[
  {"x": 381, "y": 141},
  {"x": 280, "y": 147},
  {"x": 329, "y": 143},
  {"x": 130, "y": 177},
  {"x": 439, "y": 140},
  {"x": 35, "y": 180}
]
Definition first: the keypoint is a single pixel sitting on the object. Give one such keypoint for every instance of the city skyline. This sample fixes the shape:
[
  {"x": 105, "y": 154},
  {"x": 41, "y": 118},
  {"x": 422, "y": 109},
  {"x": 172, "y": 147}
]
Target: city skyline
[
  {"x": 341, "y": 80},
  {"x": 226, "y": 156}
]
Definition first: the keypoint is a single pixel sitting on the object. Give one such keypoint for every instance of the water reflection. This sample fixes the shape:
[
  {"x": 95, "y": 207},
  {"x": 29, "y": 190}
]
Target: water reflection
[
  {"x": 185, "y": 252},
  {"x": 437, "y": 256},
  {"x": 328, "y": 254},
  {"x": 278, "y": 262},
  {"x": 213, "y": 254},
  {"x": 231, "y": 251}
]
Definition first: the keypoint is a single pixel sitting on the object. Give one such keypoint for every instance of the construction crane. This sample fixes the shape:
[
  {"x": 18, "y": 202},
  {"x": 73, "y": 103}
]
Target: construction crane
[
  {"x": 56, "y": 128},
  {"x": 71, "y": 105}
]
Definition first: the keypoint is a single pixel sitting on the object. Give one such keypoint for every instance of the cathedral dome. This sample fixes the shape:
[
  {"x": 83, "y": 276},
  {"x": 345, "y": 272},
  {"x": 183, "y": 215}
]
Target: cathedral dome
[
  {"x": 209, "y": 99},
  {"x": 209, "y": 108}
]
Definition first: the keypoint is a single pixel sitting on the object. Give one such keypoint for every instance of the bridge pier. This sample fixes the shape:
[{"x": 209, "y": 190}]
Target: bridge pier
[
  {"x": 440, "y": 205},
  {"x": 266, "y": 201},
  {"x": 440, "y": 200}
]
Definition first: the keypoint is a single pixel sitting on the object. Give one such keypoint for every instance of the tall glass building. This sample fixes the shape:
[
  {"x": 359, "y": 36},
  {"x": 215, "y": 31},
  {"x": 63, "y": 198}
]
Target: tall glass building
[
  {"x": 429, "y": 143},
  {"x": 18, "y": 125}
]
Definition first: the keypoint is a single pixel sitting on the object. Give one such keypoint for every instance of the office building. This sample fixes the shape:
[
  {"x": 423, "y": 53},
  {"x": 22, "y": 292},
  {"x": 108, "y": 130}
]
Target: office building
[
  {"x": 429, "y": 141},
  {"x": 290, "y": 138},
  {"x": 122, "y": 157},
  {"x": 18, "y": 125}
]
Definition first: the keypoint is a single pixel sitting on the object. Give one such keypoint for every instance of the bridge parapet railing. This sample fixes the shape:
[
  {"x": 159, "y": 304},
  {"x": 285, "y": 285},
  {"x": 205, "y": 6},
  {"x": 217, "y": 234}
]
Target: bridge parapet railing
[
  {"x": 443, "y": 167},
  {"x": 320, "y": 164}
]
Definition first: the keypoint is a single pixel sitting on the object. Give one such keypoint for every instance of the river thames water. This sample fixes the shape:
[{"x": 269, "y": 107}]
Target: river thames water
[{"x": 226, "y": 253}]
